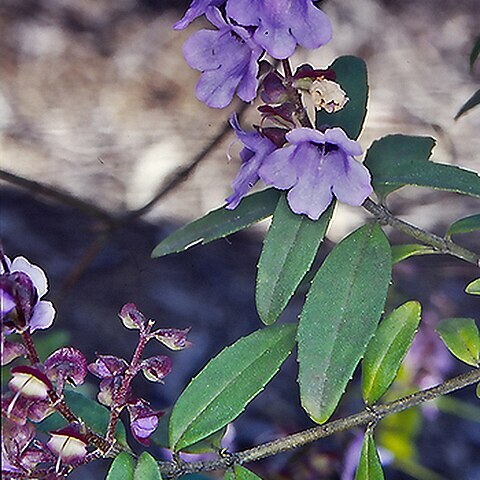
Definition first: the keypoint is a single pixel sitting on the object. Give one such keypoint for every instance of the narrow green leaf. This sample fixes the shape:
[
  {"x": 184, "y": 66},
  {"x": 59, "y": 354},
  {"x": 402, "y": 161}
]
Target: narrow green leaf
[
  {"x": 220, "y": 223},
  {"x": 351, "y": 74},
  {"x": 369, "y": 467},
  {"x": 210, "y": 444},
  {"x": 340, "y": 316},
  {"x": 402, "y": 252},
  {"x": 465, "y": 225},
  {"x": 398, "y": 160},
  {"x": 121, "y": 468},
  {"x": 240, "y": 473},
  {"x": 94, "y": 415},
  {"x": 461, "y": 337},
  {"x": 387, "y": 349},
  {"x": 289, "y": 249},
  {"x": 473, "y": 288},
  {"x": 221, "y": 391},
  {"x": 473, "y": 101},
  {"x": 477, "y": 391},
  {"x": 147, "y": 468}
]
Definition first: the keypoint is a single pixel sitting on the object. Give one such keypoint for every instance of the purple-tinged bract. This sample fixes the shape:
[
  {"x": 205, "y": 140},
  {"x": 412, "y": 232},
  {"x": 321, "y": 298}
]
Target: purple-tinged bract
[
  {"x": 173, "y": 338},
  {"x": 316, "y": 166},
  {"x": 256, "y": 148},
  {"x": 131, "y": 317},
  {"x": 228, "y": 59},
  {"x": 282, "y": 24},
  {"x": 156, "y": 368}
]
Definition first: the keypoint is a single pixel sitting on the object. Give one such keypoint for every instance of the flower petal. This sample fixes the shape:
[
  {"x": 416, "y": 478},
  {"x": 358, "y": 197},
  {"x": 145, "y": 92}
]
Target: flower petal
[
  {"x": 352, "y": 184},
  {"x": 338, "y": 137},
  {"x": 302, "y": 135},
  {"x": 196, "y": 9},
  {"x": 278, "y": 168},
  {"x": 42, "y": 317},
  {"x": 39, "y": 279}
]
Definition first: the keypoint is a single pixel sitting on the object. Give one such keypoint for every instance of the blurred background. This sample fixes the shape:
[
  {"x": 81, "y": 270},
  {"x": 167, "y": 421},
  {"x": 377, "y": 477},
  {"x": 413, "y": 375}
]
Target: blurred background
[{"x": 105, "y": 150}]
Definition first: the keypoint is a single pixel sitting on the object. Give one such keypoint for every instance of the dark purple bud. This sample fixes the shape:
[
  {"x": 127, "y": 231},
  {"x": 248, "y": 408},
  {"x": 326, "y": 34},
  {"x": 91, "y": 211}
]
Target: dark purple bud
[
  {"x": 11, "y": 350},
  {"x": 173, "y": 338},
  {"x": 66, "y": 364},
  {"x": 68, "y": 445},
  {"x": 143, "y": 420},
  {"x": 107, "y": 366},
  {"x": 18, "y": 289},
  {"x": 29, "y": 382},
  {"x": 274, "y": 91},
  {"x": 284, "y": 112},
  {"x": 131, "y": 317},
  {"x": 38, "y": 410},
  {"x": 156, "y": 368},
  {"x": 307, "y": 71},
  {"x": 276, "y": 135}
]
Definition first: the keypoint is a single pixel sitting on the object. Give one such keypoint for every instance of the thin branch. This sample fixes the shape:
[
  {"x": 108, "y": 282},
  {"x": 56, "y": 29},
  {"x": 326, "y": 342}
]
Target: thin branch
[
  {"x": 443, "y": 245},
  {"x": 61, "y": 196},
  {"x": 371, "y": 414}
]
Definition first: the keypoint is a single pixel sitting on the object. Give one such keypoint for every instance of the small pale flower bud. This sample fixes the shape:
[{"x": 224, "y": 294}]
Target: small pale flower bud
[
  {"x": 328, "y": 95},
  {"x": 156, "y": 368},
  {"x": 68, "y": 445},
  {"x": 131, "y": 317},
  {"x": 29, "y": 382},
  {"x": 173, "y": 338}
]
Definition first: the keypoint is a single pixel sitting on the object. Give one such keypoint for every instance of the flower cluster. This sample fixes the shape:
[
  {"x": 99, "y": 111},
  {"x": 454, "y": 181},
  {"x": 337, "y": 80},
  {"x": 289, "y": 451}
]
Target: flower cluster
[
  {"x": 312, "y": 165},
  {"x": 36, "y": 390},
  {"x": 247, "y": 29}
]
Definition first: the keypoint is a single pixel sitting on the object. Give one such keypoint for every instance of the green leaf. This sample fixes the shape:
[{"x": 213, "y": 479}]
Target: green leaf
[
  {"x": 289, "y": 249},
  {"x": 351, "y": 74},
  {"x": 477, "y": 391},
  {"x": 369, "y": 467},
  {"x": 147, "y": 468},
  {"x": 473, "y": 288},
  {"x": 240, "y": 473},
  {"x": 210, "y": 444},
  {"x": 387, "y": 349},
  {"x": 465, "y": 225},
  {"x": 475, "y": 53},
  {"x": 461, "y": 337},
  {"x": 398, "y": 160},
  {"x": 340, "y": 316},
  {"x": 94, "y": 415},
  {"x": 402, "y": 252},
  {"x": 121, "y": 468},
  {"x": 473, "y": 101},
  {"x": 220, "y": 223},
  {"x": 221, "y": 391}
]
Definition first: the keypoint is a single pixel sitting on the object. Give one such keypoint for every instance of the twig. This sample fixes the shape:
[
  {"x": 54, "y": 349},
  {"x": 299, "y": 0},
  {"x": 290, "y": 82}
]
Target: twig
[
  {"x": 443, "y": 245},
  {"x": 371, "y": 415},
  {"x": 56, "y": 194}
]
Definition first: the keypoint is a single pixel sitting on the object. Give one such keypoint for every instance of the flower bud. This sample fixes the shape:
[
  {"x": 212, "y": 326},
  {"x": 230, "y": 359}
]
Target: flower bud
[
  {"x": 173, "y": 338},
  {"x": 328, "y": 95},
  {"x": 67, "y": 363},
  {"x": 29, "y": 382},
  {"x": 68, "y": 445},
  {"x": 156, "y": 368},
  {"x": 107, "y": 366},
  {"x": 131, "y": 317},
  {"x": 143, "y": 420}
]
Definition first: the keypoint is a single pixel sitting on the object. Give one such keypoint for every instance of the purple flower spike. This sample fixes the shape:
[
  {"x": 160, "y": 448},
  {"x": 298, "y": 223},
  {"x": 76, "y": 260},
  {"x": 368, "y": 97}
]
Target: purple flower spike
[
  {"x": 67, "y": 363},
  {"x": 316, "y": 166},
  {"x": 173, "y": 338},
  {"x": 228, "y": 60},
  {"x": 196, "y": 9},
  {"x": 282, "y": 24},
  {"x": 143, "y": 420},
  {"x": 156, "y": 368},
  {"x": 131, "y": 317},
  {"x": 257, "y": 147}
]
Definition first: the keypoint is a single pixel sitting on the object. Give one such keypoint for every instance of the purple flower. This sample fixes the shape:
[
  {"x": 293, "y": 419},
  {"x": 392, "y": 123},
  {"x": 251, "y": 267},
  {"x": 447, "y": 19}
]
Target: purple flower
[
  {"x": 257, "y": 147},
  {"x": 173, "y": 338},
  {"x": 196, "y": 9},
  {"x": 68, "y": 444},
  {"x": 131, "y": 317},
  {"x": 66, "y": 364},
  {"x": 143, "y": 420},
  {"x": 156, "y": 368},
  {"x": 316, "y": 166},
  {"x": 228, "y": 60},
  {"x": 10, "y": 350},
  {"x": 111, "y": 370},
  {"x": 282, "y": 24},
  {"x": 21, "y": 288}
]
